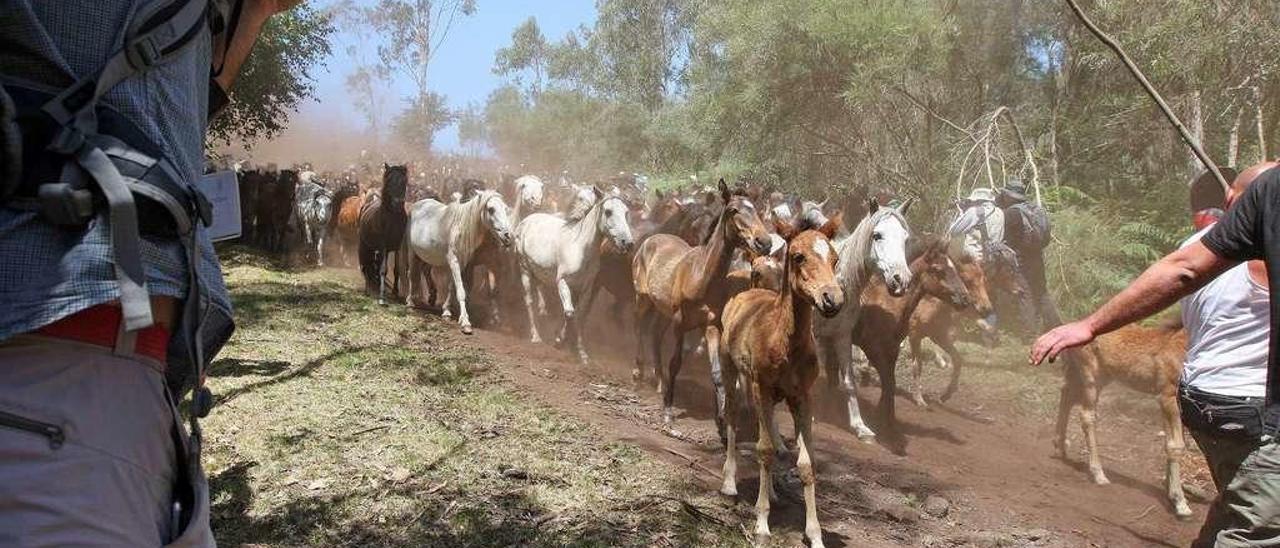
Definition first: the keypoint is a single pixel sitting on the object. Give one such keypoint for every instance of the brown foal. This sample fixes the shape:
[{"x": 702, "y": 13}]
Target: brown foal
[{"x": 768, "y": 340}]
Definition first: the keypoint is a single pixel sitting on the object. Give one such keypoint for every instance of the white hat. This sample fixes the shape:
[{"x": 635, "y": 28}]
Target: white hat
[{"x": 982, "y": 194}]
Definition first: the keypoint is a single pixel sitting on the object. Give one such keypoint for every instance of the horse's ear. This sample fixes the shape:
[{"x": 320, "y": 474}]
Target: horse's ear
[
  {"x": 657, "y": 193},
  {"x": 832, "y": 225},
  {"x": 784, "y": 229},
  {"x": 600, "y": 194},
  {"x": 385, "y": 166},
  {"x": 905, "y": 205},
  {"x": 724, "y": 190},
  {"x": 873, "y": 204}
]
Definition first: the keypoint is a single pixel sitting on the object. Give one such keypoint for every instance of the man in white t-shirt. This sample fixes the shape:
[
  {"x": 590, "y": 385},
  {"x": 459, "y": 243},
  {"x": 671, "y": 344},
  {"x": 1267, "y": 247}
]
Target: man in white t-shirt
[{"x": 1223, "y": 389}]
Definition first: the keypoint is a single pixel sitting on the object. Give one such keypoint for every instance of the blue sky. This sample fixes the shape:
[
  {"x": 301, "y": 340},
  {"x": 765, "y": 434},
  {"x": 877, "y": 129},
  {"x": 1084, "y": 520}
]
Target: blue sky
[{"x": 461, "y": 68}]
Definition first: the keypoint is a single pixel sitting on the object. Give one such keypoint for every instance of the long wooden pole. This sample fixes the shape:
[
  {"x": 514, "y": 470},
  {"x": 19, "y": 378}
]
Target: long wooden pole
[{"x": 1151, "y": 91}]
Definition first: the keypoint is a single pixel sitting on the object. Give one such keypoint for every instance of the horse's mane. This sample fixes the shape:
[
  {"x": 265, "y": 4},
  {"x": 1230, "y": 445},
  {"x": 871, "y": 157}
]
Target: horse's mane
[
  {"x": 852, "y": 268},
  {"x": 466, "y": 218}
]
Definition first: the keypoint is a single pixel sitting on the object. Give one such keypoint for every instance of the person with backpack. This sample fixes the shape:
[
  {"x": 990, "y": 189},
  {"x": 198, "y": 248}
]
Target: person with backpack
[
  {"x": 1027, "y": 233},
  {"x": 111, "y": 297}
]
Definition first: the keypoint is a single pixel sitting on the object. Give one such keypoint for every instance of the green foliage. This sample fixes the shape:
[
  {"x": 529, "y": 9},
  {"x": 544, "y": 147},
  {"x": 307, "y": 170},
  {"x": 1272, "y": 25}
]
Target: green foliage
[
  {"x": 1096, "y": 255},
  {"x": 276, "y": 77}
]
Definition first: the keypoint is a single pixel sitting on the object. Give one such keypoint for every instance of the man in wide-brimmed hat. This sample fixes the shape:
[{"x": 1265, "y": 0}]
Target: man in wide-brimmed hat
[
  {"x": 981, "y": 224},
  {"x": 1026, "y": 231}
]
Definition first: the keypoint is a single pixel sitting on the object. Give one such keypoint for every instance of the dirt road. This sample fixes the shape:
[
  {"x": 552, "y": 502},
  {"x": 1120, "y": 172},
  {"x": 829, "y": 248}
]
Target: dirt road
[
  {"x": 344, "y": 423},
  {"x": 983, "y": 453}
]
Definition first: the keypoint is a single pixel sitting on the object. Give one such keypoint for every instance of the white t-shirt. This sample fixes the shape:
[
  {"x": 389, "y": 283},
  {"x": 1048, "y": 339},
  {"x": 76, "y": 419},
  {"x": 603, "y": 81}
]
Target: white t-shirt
[{"x": 1228, "y": 326}]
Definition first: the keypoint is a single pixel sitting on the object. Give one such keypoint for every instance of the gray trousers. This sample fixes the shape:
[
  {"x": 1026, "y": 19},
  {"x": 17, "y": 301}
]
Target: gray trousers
[
  {"x": 1246, "y": 512},
  {"x": 107, "y": 479}
]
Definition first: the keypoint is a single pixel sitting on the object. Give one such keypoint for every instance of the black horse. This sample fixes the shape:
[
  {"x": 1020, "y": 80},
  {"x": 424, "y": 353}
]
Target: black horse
[{"x": 382, "y": 224}]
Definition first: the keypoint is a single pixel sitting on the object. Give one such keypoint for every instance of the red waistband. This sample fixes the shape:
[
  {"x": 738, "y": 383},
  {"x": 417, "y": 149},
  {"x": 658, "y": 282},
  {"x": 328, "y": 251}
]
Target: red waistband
[{"x": 100, "y": 326}]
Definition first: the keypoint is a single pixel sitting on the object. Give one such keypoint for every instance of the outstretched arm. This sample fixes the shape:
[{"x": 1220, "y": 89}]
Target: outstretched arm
[
  {"x": 1173, "y": 277},
  {"x": 253, "y": 16}
]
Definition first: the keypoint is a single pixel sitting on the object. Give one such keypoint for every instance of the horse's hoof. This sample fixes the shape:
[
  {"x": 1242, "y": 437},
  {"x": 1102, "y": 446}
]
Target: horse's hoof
[
  {"x": 761, "y": 538},
  {"x": 864, "y": 434},
  {"x": 919, "y": 401},
  {"x": 1101, "y": 479},
  {"x": 1183, "y": 512},
  {"x": 466, "y": 330},
  {"x": 729, "y": 490},
  {"x": 636, "y": 375}
]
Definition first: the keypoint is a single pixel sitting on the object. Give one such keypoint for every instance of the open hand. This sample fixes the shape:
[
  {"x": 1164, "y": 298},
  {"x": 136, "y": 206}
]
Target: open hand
[{"x": 1058, "y": 339}]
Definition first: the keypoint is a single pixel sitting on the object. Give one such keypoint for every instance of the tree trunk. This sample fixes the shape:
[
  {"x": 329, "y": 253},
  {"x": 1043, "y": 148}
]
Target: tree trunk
[
  {"x": 1233, "y": 141},
  {"x": 1262, "y": 133},
  {"x": 1197, "y": 131}
]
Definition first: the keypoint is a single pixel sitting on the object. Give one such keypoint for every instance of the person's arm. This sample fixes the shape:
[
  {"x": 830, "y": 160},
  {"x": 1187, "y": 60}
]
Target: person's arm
[
  {"x": 253, "y": 16},
  {"x": 1173, "y": 277}
]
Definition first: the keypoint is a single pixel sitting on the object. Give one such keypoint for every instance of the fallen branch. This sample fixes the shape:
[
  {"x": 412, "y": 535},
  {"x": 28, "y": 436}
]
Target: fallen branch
[
  {"x": 1151, "y": 91},
  {"x": 692, "y": 461}
]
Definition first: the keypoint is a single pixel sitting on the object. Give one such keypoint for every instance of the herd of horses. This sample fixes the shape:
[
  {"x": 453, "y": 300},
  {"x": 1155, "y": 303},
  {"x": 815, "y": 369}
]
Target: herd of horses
[{"x": 777, "y": 291}]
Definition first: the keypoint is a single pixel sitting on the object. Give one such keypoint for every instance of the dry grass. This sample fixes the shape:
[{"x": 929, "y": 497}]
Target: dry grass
[{"x": 342, "y": 423}]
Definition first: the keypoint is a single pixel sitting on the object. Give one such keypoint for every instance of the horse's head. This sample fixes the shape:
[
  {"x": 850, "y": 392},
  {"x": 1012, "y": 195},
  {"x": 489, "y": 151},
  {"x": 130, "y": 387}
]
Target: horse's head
[
  {"x": 665, "y": 206},
  {"x": 529, "y": 191},
  {"x": 811, "y": 266},
  {"x": 974, "y": 278},
  {"x": 581, "y": 199},
  {"x": 887, "y": 245},
  {"x": 613, "y": 220},
  {"x": 811, "y": 214},
  {"x": 939, "y": 276},
  {"x": 495, "y": 216},
  {"x": 742, "y": 222},
  {"x": 395, "y": 186}
]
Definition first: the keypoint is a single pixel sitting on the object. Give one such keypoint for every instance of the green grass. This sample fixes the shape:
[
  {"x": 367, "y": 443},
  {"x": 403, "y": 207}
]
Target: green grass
[{"x": 342, "y": 423}]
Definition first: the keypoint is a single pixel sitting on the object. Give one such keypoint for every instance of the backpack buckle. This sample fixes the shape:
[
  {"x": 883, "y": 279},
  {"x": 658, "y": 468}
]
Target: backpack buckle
[
  {"x": 142, "y": 53},
  {"x": 62, "y": 204}
]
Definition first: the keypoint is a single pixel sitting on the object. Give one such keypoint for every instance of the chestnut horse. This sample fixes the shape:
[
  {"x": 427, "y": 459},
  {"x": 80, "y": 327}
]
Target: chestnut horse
[
  {"x": 683, "y": 286},
  {"x": 940, "y": 323},
  {"x": 768, "y": 340},
  {"x": 1146, "y": 359}
]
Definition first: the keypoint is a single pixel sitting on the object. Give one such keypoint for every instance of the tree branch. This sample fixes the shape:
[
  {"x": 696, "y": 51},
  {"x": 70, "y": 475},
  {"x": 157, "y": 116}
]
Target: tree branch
[{"x": 1151, "y": 91}]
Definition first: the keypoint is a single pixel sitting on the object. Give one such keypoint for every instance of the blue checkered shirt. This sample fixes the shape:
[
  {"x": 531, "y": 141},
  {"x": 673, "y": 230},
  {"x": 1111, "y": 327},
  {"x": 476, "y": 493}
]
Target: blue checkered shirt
[{"x": 48, "y": 272}]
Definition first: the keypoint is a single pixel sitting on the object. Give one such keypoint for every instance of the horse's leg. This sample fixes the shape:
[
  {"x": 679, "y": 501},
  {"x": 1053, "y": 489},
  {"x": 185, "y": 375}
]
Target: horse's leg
[
  {"x": 888, "y": 368},
  {"x": 802, "y": 413},
  {"x": 673, "y": 370},
  {"x": 842, "y": 344},
  {"x": 1089, "y": 423},
  {"x": 948, "y": 345},
  {"x": 320, "y": 234},
  {"x": 415, "y": 281},
  {"x": 529, "y": 291},
  {"x": 570, "y": 317},
  {"x": 645, "y": 316},
  {"x": 382, "y": 278},
  {"x": 460, "y": 286},
  {"x": 765, "y": 456},
  {"x": 1067, "y": 400},
  {"x": 583, "y": 311},
  {"x": 717, "y": 377},
  {"x": 1174, "y": 446},
  {"x": 725, "y": 415},
  {"x": 658, "y": 333},
  {"x": 917, "y": 384}
]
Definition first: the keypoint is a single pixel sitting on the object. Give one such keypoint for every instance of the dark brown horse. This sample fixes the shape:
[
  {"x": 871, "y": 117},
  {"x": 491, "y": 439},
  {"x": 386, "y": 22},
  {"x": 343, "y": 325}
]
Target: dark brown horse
[{"x": 382, "y": 224}]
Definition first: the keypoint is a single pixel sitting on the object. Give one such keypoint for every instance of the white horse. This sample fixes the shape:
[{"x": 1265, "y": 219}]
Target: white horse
[
  {"x": 878, "y": 246},
  {"x": 565, "y": 255},
  {"x": 582, "y": 197},
  {"x": 312, "y": 205},
  {"x": 448, "y": 235},
  {"x": 529, "y": 195}
]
